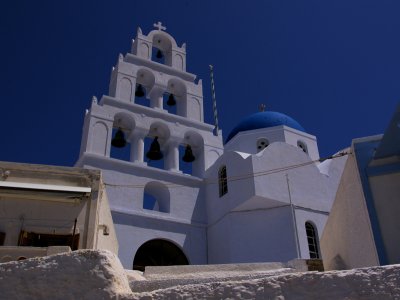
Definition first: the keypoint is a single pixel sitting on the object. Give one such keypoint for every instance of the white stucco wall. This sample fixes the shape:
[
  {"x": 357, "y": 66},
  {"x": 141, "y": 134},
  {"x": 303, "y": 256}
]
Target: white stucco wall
[
  {"x": 347, "y": 240},
  {"x": 110, "y": 241},
  {"x": 253, "y": 236},
  {"x": 133, "y": 231},
  {"x": 246, "y": 141}
]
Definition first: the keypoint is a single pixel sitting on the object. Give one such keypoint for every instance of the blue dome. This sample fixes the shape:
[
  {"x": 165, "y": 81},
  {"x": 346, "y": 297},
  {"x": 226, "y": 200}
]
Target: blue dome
[{"x": 264, "y": 119}]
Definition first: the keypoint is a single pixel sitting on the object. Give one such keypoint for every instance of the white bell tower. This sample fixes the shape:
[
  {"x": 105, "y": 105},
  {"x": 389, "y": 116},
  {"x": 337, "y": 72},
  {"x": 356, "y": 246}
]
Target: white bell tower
[{"x": 156, "y": 69}]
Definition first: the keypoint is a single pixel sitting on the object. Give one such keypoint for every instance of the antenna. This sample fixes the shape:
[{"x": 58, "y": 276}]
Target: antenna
[{"x": 214, "y": 101}]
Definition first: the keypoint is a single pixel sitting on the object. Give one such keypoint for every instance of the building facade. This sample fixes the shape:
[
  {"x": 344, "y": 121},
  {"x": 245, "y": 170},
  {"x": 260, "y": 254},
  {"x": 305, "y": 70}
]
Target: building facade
[{"x": 178, "y": 194}]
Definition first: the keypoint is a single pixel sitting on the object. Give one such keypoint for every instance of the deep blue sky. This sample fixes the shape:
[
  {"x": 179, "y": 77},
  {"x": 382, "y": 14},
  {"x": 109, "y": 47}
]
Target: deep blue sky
[{"x": 334, "y": 66}]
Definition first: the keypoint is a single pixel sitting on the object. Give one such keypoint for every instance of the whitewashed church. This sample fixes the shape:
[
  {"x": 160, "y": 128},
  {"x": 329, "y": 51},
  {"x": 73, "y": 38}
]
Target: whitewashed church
[{"x": 178, "y": 194}]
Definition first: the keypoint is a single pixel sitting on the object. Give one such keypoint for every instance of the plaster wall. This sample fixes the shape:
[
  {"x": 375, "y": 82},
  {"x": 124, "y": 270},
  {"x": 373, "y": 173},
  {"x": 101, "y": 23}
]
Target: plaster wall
[
  {"x": 347, "y": 241},
  {"x": 186, "y": 202},
  {"x": 105, "y": 242},
  {"x": 240, "y": 184},
  {"x": 133, "y": 231},
  {"x": 292, "y": 137},
  {"x": 331, "y": 171},
  {"x": 385, "y": 191},
  {"x": 317, "y": 219},
  {"x": 246, "y": 141},
  {"x": 183, "y": 225},
  {"x": 284, "y": 167},
  {"x": 253, "y": 236}
]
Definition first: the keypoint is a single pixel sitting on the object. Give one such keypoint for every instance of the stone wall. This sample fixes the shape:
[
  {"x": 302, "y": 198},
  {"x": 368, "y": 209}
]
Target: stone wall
[{"x": 88, "y": 274}]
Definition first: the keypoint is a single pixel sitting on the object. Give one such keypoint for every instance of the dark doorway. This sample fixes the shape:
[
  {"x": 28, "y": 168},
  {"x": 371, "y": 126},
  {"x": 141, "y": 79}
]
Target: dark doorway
[{"x": 158, "y": 253}]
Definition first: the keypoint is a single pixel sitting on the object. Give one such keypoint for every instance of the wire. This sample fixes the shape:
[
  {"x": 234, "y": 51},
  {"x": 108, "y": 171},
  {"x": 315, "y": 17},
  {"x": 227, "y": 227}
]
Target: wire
[{"x": 242, "y": 176}]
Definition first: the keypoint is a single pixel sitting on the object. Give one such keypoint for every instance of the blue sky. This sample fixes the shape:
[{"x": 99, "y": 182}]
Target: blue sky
[{"x": 334, "y": 66}]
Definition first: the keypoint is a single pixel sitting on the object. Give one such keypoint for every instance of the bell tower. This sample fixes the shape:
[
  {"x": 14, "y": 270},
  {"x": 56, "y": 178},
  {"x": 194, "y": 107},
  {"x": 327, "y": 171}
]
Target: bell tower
[{"x": 154, "y": 107}]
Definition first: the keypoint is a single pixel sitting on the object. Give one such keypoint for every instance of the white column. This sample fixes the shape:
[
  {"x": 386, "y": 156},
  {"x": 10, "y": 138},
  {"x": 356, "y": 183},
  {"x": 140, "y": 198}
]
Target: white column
[
  {"x": 172, "y": 159},
  {"x": 137, "y": 146},
  {"x": 156, "y": 97}
]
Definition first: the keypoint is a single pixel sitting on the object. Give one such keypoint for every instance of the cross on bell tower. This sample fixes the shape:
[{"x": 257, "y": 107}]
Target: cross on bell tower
[{"x": 159, "y": 26}]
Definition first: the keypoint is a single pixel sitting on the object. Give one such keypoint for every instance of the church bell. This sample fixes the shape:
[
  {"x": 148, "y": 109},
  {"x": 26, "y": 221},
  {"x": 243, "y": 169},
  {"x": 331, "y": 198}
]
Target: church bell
[
  {"x": 154, "y": 152},
  {"x": 139, "y": 91},
  {"x": 159, "y": 54},
  {"x": 188, "y": 156},
  {"x": 119, "y": 140},
  {"x": 171, "y": 100}
]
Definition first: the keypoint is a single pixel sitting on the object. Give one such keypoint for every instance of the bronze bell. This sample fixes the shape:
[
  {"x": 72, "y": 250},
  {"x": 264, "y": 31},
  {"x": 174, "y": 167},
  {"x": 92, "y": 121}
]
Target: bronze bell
[
  {"x": 159, "y": 54},
  {"x": 188, "y": 156},
  {"x": 171, "y": 100},
  {"x": 139, "y": 91},
  {"x": 119, "y": 140},
  {"x": 154, "y": 152}
]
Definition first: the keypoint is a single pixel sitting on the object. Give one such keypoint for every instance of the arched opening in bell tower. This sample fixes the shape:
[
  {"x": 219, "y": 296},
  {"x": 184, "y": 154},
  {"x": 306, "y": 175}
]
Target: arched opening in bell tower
[
  {"x": 161, "y": 50},
  {"x": 192, "y": 154},
  {"x": 158, "y": 252},
  {"x": 155, "y": 144},
  {"x": 144, "y": 82},
  {"x": 177, "y": 88},
  {"x": 169, "y": 103},
  {"x": 120, "y": 144},
  {"x": 185, "y": 167}
]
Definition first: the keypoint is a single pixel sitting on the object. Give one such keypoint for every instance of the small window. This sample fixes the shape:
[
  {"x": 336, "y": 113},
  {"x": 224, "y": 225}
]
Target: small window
[
  {"x": 262, "y": 144},
  {"x": 302, "y": 146},
  {"x": 223, "y": 181},
  {"x": 312, "y": 239}
]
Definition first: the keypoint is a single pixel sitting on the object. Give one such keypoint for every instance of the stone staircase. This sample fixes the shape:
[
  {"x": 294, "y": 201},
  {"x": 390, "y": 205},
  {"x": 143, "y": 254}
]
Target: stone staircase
[{"x": 155, "y": 278}]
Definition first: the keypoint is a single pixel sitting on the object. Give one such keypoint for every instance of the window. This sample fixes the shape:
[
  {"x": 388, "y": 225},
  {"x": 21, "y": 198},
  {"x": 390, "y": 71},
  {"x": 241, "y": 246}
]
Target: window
[
  {"x": 262, "y": 144},
  {"x": 312, "y": 240},
  {"x": 302, "y": 146},
  {"x": 223, "y": 181}
]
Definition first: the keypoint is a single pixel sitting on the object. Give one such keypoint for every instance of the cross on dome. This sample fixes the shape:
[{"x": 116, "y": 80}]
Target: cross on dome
[{"x": 159, "y": 26}]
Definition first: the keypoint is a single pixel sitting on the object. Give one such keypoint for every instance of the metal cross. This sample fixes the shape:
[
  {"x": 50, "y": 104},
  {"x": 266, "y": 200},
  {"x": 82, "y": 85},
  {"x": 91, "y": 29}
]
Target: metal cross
[
  {"x": 159, "y": 26},
  {"x": 261, "y": 107}
]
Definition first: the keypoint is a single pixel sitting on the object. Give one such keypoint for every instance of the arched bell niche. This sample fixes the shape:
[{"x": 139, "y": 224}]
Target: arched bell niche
[
  {"x": 196, "y": 143},
  {"x": 177, "y": 88},
  {"x": 144, "y": 83},
  {"x": 123, "y": 126},
  {"x": 156, "y": 140},
  {"x": 162, "y": 48}
]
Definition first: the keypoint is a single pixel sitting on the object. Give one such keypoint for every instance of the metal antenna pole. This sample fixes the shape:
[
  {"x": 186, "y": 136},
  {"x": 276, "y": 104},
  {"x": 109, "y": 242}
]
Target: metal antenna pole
[{"x": 214, "y": 100}]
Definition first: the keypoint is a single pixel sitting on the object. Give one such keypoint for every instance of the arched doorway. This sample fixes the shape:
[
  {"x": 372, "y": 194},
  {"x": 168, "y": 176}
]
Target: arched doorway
[{"x": 158, "y": 253}]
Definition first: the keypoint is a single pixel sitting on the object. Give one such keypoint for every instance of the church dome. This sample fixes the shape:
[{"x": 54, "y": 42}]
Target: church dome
[{"x": 264, "y": 119}]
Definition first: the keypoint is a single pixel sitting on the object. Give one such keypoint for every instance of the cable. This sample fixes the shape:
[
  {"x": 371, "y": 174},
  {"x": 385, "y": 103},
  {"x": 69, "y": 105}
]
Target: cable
[{"x": 240, "y": 177}]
